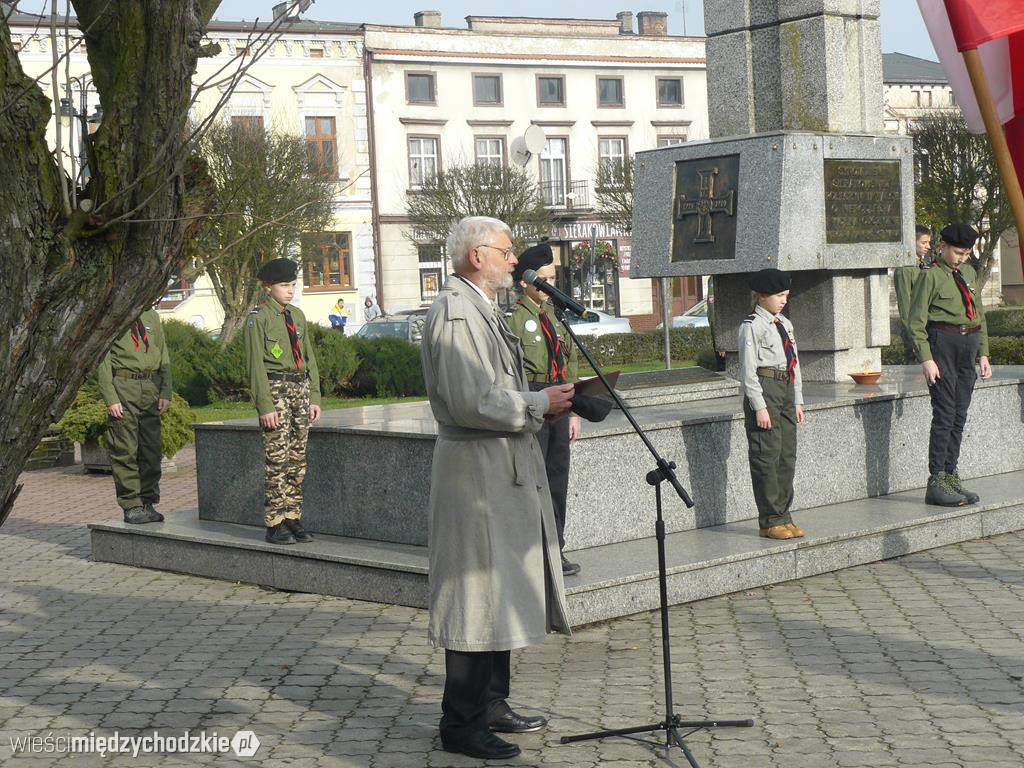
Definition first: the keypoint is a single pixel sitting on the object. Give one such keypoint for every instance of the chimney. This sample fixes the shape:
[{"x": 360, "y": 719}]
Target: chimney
[
  {"x": 625, "y": 22},
  {"x": 652, "y": 23},
  {"x": 430, "y": 19}
]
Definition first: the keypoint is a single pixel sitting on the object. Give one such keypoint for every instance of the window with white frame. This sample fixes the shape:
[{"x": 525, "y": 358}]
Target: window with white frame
[
  {"x": 611, "y": 152},
  {"x": 554, "y": 171},
  {"x": 670, "y": 141},
  {"x": 490, "y": 150},
  {"x": 423, "y": 159}
]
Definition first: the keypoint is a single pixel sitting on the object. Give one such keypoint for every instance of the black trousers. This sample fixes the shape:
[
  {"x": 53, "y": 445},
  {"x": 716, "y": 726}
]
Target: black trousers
[
  {"x": 955, "y": 355},
  {"x": 554, "y": 444},
  {"x": 476, "y": 685}
]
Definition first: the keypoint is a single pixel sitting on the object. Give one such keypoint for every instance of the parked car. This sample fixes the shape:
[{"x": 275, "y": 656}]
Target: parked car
[
  {"x": 695, "y": 317},
  {"x": 598, "y": 323},
  {"x": 403, "y": 326}
]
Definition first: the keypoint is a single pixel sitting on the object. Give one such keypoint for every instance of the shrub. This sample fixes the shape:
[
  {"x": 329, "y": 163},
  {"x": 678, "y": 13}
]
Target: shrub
[
  {"x": 1005, "y": 321},
  {"x": 626, "y": 348},
  {"x": 86, "y": 420},
  {"x": 336, "y": 358},
  {"x": 1006, "y": 350},
  {"x": 229, "y": 375},
  {"x": 191, "y": 352},
  {"x": 387, "y": 368}
]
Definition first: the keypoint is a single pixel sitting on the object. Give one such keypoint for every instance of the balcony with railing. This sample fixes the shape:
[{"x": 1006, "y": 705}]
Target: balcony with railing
[{"x": 562, "y": 195}]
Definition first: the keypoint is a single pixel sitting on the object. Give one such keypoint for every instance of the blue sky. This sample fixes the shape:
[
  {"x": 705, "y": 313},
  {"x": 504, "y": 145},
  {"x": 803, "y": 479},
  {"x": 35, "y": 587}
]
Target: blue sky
[{"x": 902, "y": 27}]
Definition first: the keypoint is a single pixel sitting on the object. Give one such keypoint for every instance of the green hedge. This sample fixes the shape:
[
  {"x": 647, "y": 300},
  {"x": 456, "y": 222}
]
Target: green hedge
[
  {"x": 1002, "y": 350},
  {"x": 645, "y": 347},
  {"x": 203, "y": 371},
  {"x": 1005, "y": 321},
  {"x": 387, "y": 368}
]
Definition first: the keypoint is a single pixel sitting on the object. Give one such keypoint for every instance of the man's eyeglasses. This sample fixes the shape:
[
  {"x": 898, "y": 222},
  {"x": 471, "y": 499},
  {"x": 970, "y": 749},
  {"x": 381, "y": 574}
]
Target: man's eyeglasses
[{"x": 507, "y": 253}]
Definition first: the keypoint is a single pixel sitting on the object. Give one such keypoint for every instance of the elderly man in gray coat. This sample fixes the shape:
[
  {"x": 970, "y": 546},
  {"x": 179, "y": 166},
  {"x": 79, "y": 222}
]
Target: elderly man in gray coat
[{"x": 495, "y": 568}]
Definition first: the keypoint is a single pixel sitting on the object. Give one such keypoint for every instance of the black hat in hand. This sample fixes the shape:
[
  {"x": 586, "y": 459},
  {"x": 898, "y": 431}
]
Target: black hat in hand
[{"x": 591, "y": 408}]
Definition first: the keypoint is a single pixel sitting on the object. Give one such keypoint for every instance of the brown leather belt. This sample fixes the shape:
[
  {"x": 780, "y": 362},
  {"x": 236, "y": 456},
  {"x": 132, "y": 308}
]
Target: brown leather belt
[
  {"x": 773, "y": 373},
  {"x": 123, "y": 374},
  {"x": 963, "y": 330},
  {"x": 296, "y": 377}
]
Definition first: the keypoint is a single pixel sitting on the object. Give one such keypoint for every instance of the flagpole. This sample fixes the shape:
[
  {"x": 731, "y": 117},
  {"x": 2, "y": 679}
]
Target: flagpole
[{"x": 994, "y": 128}]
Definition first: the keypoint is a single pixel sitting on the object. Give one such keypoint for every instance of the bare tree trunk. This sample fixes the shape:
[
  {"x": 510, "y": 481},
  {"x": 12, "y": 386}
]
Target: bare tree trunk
[{"x": 73, "y": 284}]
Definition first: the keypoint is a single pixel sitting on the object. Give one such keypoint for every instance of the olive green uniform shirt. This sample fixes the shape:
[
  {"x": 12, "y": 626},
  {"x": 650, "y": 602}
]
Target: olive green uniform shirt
[
  {"x": 903, "y": 279},
  {"x": 525, "y": 323},
  {"x": 269, "y": 350},
  {"x": 123, "y": 356},
  {"x": 937, "y": 298}
]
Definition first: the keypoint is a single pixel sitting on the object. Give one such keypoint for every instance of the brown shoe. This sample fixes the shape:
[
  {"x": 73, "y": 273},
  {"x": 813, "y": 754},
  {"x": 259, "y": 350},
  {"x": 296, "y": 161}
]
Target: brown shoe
[
  {"x": 778, "y": 532},
  {"x": 796, "y": 530}
]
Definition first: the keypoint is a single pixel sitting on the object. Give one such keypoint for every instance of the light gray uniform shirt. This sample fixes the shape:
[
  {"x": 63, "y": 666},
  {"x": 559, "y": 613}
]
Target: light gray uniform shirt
[{"x": 760, "y": 346}]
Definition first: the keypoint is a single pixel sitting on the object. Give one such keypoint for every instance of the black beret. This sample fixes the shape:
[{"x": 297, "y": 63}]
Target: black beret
[
  {"x": 535, "y": 257},
  {"x": 959, "y": 234},
  {"x": 591, "y": 408},
  {"x": 278, "y": 271},
  {"x": 769, "y": 281}
]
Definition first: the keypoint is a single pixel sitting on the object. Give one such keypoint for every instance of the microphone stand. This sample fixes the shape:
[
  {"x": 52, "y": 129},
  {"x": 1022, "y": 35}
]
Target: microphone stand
[{"x": 662, "y": 472}]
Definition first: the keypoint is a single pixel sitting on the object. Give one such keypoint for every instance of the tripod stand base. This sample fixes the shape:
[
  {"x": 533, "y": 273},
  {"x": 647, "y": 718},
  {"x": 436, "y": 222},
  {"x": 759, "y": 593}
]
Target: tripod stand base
[{"x": 671, "y": 728}]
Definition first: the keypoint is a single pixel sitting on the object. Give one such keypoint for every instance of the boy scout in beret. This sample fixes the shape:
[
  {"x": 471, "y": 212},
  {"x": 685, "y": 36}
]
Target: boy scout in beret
[
  {"x": 549, "y": 357},
  {"x": 135, "y": 382},
  {"x": 773, "y": 402},
  {"x": 903, "y": 279},
  {"x": 947, "y": 322},
  {"x": 285, "y": 387}
]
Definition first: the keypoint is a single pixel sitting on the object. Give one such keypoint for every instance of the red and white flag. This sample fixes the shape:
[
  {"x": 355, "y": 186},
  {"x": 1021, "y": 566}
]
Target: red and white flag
[{"x": 996, "y": 29}]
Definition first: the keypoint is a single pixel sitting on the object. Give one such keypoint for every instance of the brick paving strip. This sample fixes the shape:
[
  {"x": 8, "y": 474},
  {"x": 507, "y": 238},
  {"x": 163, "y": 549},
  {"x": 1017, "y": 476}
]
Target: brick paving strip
[{"x": 910, "y": 662}]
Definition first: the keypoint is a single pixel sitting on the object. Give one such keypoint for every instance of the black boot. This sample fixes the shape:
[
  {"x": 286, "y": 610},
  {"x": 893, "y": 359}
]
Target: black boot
[
  {"x": 301, "y": 534},
  {"x": 941, "y": 493},
  {"x": 141, "y": 515},
  {"x": 157, "y": 517},
  {"x": 279, "y": 534},
  {"x": 569, "y": 568}
]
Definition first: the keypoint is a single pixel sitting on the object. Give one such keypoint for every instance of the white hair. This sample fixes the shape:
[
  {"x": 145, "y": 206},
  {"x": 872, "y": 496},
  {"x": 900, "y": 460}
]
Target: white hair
[{"x": 468, "y": 234}]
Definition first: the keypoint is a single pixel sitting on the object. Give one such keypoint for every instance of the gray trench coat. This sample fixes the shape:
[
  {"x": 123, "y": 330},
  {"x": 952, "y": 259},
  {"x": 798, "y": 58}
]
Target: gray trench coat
[{"x": 495, "y": 568}]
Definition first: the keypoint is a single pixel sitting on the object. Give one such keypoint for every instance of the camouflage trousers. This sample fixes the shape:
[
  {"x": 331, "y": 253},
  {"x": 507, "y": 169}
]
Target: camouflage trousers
[{"x": 284, "y": 449}]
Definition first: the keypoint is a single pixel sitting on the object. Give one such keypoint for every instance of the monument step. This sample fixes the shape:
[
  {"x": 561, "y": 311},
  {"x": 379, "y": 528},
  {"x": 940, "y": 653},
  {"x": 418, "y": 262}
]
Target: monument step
[{"x": 616, "y": 579}]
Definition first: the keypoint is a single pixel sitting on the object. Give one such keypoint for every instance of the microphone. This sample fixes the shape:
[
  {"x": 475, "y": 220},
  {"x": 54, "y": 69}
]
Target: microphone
[{"x": 564, "y": 300}]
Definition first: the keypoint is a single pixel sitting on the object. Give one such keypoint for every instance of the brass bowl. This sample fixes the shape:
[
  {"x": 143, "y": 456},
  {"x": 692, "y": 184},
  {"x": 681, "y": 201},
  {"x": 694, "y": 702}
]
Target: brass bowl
[{"x": 866, "y": 377}]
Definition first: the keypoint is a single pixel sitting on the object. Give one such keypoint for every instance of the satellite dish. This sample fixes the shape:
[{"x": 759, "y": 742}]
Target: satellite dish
[
  {"x": 534, "y": 138},
  {"x": 526, "y": 146},
  {"x": 518, "y": 152}
]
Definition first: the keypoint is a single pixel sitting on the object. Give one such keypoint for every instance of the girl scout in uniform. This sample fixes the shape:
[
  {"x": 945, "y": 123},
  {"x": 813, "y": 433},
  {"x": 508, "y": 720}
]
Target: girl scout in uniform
[{"x": 773, "y": 402}]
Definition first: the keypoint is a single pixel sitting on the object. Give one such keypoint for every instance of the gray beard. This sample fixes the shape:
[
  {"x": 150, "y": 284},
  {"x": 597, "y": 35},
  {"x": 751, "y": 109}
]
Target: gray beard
[{"x": 501, "y": 283}]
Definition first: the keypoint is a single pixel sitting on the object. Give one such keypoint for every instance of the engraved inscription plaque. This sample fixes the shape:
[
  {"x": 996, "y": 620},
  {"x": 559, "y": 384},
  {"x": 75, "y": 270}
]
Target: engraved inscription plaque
[
  {"x": 863, "y": 202},
  {"x": 704, "y": 208}
]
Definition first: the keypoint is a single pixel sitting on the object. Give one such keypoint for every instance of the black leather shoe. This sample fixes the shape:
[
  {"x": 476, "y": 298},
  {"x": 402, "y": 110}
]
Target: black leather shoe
[
  {"x": 157, "y": 517},
  {"x": 279, "y": 534},
  {"x": 569, "y": 569},
  {"x": 481, "y": 744},
  {"x": 513, "y": 722},
  {"x": 301, "y": 534}
]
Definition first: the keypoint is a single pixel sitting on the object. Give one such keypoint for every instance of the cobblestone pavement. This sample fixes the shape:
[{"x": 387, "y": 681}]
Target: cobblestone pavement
[{"x": 910, "y": 662}]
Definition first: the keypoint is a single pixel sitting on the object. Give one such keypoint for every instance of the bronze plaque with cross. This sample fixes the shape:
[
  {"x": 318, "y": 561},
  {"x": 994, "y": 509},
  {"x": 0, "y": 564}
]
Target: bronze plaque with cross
[{"x": 704, "y": 208}]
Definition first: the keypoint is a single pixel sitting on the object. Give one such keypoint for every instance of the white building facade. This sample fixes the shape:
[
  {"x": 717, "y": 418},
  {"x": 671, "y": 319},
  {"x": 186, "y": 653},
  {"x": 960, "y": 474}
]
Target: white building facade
[{"x": 598, "y": 90}]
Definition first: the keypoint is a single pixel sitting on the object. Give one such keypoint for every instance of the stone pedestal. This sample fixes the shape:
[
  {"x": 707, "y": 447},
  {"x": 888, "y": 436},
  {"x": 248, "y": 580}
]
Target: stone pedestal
[{"x": 797, "y": 177}]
